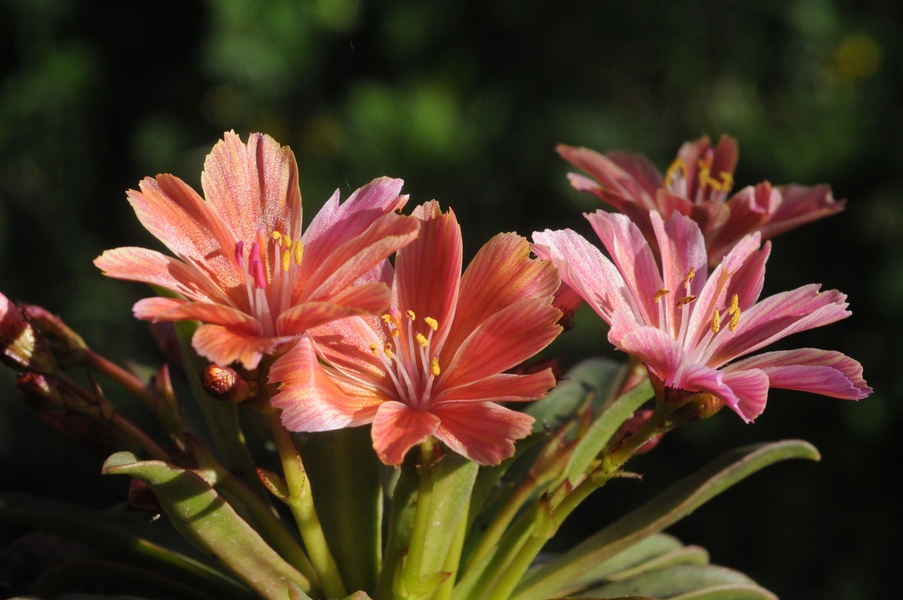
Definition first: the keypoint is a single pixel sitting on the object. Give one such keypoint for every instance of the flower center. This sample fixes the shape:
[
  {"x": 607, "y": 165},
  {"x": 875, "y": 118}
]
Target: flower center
[
  {"x": 708, "y": 188},
  {"x": 408, "y": 356},
  {"x": 268, "y": 283}
]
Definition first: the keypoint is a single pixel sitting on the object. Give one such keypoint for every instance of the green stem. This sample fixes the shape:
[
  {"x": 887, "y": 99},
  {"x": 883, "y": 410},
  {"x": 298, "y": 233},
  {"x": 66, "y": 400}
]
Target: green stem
[
  {"x": 123, "y": 377},
  {"x": 301, "y": 502},
  {"x": 141, "y": 438},
  {"x": 500, "y": 522},
  {"x": 653, "y": 426},
  {"x": 452, "y": 561},
  {"x": 412, "y": 565}
]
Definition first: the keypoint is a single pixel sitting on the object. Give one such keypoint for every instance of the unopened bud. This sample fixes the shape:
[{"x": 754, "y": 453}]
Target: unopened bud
[
  {"x": 67, "y": 346},
  {"x": 701, "y": 406},
  {"x": 40, "y": 392},
  {"x": 224, "y": 383},
  {"x": 21, "y": 346}
]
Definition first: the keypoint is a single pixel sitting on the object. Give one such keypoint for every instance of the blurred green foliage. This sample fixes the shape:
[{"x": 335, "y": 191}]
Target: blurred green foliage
[{"x": 466, "y": 100}]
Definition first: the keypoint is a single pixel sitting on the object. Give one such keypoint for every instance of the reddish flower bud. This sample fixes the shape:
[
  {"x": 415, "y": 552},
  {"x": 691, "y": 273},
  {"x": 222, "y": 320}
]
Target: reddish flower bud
[
  {"x": 21, "y": 345},
  {"x": 224, "y": 383},
  {"x": 67, "y": 346}
]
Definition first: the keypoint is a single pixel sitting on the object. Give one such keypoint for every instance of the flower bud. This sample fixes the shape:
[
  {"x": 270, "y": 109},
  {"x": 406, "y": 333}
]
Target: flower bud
[
  {"x": 224, "y": 383},
  {"x": 67, "y": 346},
  {"x": 700, "y": 406},
  {"x": 21, "y": 346}
]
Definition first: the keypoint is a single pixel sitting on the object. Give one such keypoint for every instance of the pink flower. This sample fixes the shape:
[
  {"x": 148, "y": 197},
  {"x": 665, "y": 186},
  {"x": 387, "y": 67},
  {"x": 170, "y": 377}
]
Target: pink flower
[
  {"x": 689, "y": 328},
  {"x": 698, "y": 185},
  {"x": 434, "y": 364},
  {"x": 243, "y": 267}
]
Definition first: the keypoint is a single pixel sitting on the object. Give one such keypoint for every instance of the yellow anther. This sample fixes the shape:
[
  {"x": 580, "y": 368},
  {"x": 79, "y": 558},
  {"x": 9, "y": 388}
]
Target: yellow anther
[
  {"x": 685, "y": 300},
  {"x": 388, "y": 350},
  {"x": 659, "y": 295},
  {"x": 299, "y": 252},
  {"x": 716, "y": 322},
  {"x": 689, "y": 279},
  {"x": 421, "y": 339},
  {"x": 276, "y": 235},
  {"x": 433, "y": 323},
  {"x": 286, "y": 261},
  {"x": 434, "y": 367},
  {"x": 727, "y": 181},
  {"x": 734, "y": 312},
  {"x": 395, "y": 333},
  {"x": 387, "y": 318},
  {"x": 374, "y": 348},
  {"x": 677, "y": 165},
  {"x": 411, "y": 315}
]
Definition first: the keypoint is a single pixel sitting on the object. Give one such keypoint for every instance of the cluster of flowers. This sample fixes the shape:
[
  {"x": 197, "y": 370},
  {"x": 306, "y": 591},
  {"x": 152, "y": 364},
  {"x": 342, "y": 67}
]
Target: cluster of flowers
[
  {"x": 421, "y": 350},
  {"x": 321, "y": 331}
]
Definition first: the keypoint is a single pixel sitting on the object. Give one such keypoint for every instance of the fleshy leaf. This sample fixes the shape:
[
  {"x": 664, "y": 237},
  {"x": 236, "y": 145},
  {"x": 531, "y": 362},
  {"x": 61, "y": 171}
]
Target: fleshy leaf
[
  {"x": 201, "y": 515},
  {"x": 679, "y": 500},
  {"x": 129, "y": 540},
  {"x": 678, "y": 581}
]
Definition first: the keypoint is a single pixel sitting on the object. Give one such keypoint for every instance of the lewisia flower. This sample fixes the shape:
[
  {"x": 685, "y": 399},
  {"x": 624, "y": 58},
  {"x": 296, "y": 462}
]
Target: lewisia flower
[
  {"x": 698, "y": 184},
  {"x": 688, "y": 327},
  {"x": 243, "y": 267},
  {"x": 434, "y": 364}
]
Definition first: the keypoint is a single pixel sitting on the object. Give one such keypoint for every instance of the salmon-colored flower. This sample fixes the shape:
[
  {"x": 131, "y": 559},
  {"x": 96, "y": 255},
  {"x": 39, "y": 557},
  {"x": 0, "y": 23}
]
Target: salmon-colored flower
[
  {"x": 698, "y": 184},
  {"x": 434, "y": 364},
  {"x": 688, "y": 327},
  {"x": 243, "y": 267}
]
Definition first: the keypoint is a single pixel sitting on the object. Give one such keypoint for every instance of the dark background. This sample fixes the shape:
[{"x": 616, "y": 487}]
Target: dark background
[{"x": 466, "y": 101}]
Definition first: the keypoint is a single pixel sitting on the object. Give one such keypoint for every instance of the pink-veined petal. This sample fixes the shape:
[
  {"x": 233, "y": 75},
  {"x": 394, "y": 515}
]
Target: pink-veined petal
[
  {"x": 178, "y": 217},
  {"x": 223, "y": 346},
  {"x": 154, "y": 268},
  {"x": 633, "y": 258},
  {"x": 607, "y": 173},
  {"x": 822, "y": 372},
  {"x": 484, "y": 433},
  {"x": 658, "y": 350},
  {"x": 336, "y": 223},
  {"x": 354, "y": 258},
  {"x": 750, "y": 386},
  {"x": 253, "y": 185},
  {"x": 397, "y": 428},
  {"x": 504, "y": 387},
  {"x": 682, "y": 251},
  {"x": 363, "y": 299},
  {"x": 166, "y": 309},
  {"x": 500, "y": 274},
  {"x": 502, "y": 341},
  {"x": 800, "y": 205},
  {"x": 310, "y": 400},
  {"x": 590, "y": 274},
  {"x": 428, "y": 271}
]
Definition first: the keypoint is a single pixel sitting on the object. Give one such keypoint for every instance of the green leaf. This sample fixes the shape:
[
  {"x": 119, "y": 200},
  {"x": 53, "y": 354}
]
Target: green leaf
[
  {"x": 136, "y": 542},
  {"x": 201, "y": 515},
  {"x": 673, "y": 582},
  {"x": 604, "y": 427},
  {"x": 673, "y": 504},
  {"x": 598, "y": 377},
  {"x": 737, "y": 591},
  {"x": 637, "y": 555},
  {"x": 344, "y": 476}
]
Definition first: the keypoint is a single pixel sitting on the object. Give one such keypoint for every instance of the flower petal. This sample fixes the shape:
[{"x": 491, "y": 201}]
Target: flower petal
[
  {"x": 253, "y": 186},
  {"x": 484, "y": 433},
  {"x": 177, "y": 216},
  {"x": 799, "y": 206},
  {"x": 502, "y": 341},
  {"x": 501, "y": 274},
  {"x": 224, "y": 346},
  {"x": 308, "y": 397},
  {"x": 750, "y": 386},
  {"x": 822, "y": 372},
  {"x": 609, "y": 174},
  {"x": 397, "y": 428},
  {"x": 428, "y": 271},
  {"x": 363, "y": 299},
  {"x": 169, "y": 309},
  {"x": 504, "y": 387}
]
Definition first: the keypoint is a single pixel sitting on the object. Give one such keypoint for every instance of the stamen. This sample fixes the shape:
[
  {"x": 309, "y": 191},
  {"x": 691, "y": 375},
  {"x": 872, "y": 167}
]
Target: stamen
[
  {"x": 734, "y": 312},
  {"x": 677, "y": 165},
  {"x": 432, "y": 323},
  {"x": 686, "y": 300},
  {"x": 299, "y": 252},
  {"x": 660, "y": 294},
  {"x": 727, "y": 181},
  {"x": 374, "y": 348},
  {"x": 689, "y": 279},
  {"x": 411, "y": 315},
  {"x": 434, "y": 367},
  {"x": 716, "y": 322},
  {"x": 286, "y": 261},
  {"x": 421, "y": 339},
  {"x": 388, "y": 350},
  {"x": 387, "y": 318}
]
